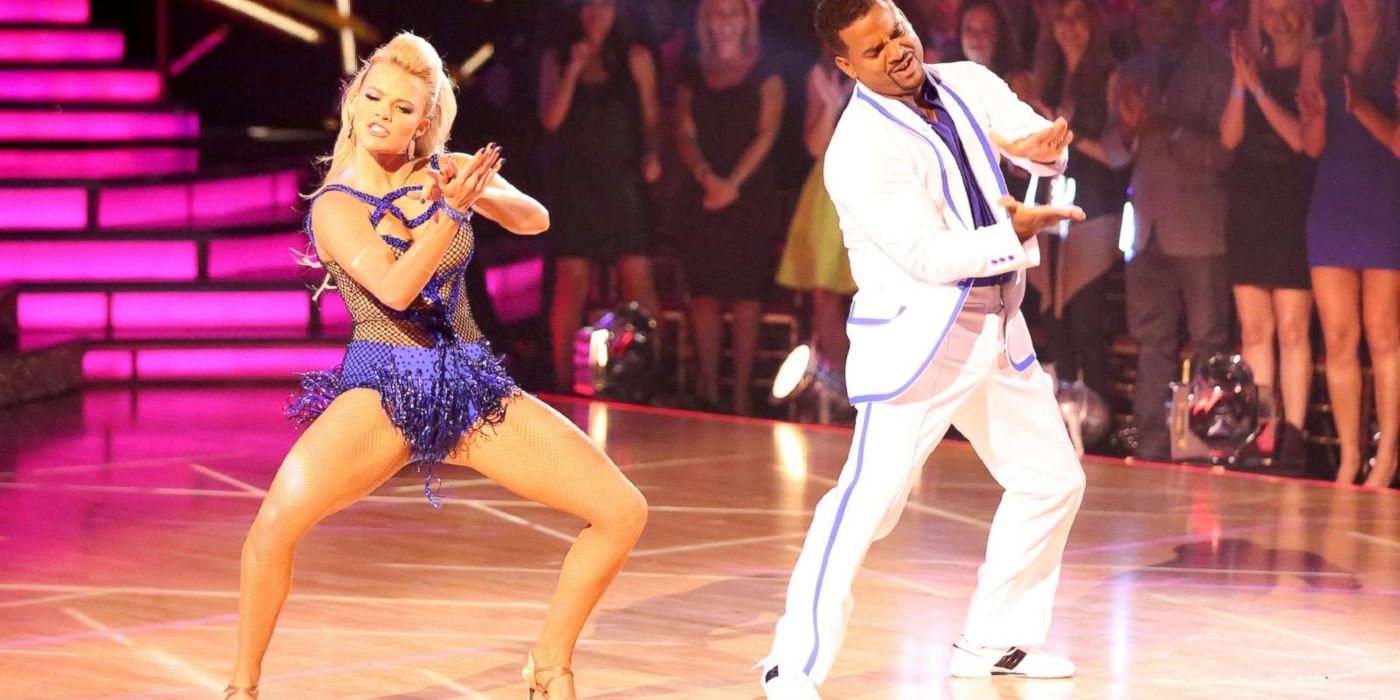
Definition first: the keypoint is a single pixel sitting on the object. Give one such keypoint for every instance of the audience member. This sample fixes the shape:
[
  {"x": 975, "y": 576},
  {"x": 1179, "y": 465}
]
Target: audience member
[
  {"x": 730, "y": 107},
  {"x": 1353, "y": 229},
  {"x": 1168, "y": 101}
]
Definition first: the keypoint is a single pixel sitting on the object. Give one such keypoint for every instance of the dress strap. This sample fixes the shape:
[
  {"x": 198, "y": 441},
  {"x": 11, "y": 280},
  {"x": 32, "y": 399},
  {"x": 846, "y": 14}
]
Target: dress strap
[{"x": 382, "y": 205}]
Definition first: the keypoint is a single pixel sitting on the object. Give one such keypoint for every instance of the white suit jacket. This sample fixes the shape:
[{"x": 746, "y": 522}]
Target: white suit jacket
[{"x": 907, "y": 224}]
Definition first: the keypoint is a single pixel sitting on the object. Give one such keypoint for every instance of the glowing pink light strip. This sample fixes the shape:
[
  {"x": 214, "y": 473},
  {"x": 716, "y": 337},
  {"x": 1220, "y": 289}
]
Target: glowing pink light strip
[
  {"x": 41, "y": 125},
  {"x": 47, "y": 208},
  {"x": 201, "y": 310},
  {"x": 45, "y": 11},
  {"x": 60, "y": 311},
  {"x": 335, "y": 317},
  {"x": 61, "y": 45},
  {"x": 234, "y": 362},
  {"x": 199, "y": 202},
  {"x": 515, "y": 289},
  {"x": 99, "y": 162},
  {"x": 77, "y": 85},
  {"x": 206, "y": 363},
  {"x": 132, "y": 313},
  {"x": 256, "y": 257},
  {"x": 218, "y": 197},
  {"x": 110, "y": 261},
  {"x": 108, "y": 365}
]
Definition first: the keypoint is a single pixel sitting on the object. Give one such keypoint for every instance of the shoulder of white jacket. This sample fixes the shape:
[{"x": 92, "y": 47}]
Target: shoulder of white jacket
[
  {"x": 860, "y": 131},
  {"x": 960, "y": 72}
]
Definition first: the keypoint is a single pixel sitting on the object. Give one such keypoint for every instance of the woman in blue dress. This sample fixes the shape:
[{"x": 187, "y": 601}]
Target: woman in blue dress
[
  {"x": 419, "y": 383},
  {"x": 1347, "y": 98}
]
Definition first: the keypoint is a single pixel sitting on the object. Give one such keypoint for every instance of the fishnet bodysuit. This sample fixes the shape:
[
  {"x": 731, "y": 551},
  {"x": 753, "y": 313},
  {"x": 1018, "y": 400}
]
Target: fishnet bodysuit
[
  {"x": 441, "y": 312},
  {"x": 435, "y": 374}
]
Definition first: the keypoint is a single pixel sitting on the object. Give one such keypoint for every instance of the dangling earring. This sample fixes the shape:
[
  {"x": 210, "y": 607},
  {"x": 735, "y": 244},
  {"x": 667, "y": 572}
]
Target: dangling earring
[
  {"x": 350, "y": 135},
  {"x": 412, "y": 146}
]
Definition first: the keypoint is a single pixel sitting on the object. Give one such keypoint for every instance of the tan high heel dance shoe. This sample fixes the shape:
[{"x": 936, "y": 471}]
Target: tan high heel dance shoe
[{"x": 550, "y": 673}]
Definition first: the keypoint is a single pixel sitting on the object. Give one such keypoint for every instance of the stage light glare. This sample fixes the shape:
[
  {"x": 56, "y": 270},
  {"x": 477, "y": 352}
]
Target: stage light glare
[{"x": 792, "y": 373}]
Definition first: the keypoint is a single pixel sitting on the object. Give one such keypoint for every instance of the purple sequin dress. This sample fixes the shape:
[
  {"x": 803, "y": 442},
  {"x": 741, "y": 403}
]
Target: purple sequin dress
[
  {"x": 1354, "y": 221},
  {"x": 436, "y": 376}
]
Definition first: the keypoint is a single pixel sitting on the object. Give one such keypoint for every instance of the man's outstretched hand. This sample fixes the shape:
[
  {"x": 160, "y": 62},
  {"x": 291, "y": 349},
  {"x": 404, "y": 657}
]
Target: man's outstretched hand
[{"x": 1029, "y": 220}]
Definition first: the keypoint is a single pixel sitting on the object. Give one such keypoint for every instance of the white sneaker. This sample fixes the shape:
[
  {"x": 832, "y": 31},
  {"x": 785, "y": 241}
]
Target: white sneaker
[
  {"x": 981, "y": 662},
  {"x": 793, "y": 686}
]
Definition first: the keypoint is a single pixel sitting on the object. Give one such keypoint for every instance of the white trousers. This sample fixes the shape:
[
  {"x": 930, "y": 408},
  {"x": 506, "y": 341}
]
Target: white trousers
[{"x": 1013, "y": 422}]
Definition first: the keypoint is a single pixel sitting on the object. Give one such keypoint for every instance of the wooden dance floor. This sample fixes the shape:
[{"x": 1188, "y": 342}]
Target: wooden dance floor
[{"x": 122, "y": 514}]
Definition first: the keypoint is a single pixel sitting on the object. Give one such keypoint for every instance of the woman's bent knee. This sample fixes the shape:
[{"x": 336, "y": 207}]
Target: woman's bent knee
[
  {"x": 629, "y": 518},
  {"x": 273, "y": 532}
]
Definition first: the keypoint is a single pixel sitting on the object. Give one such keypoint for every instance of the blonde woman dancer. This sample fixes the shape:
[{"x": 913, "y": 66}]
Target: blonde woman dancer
[{"x": 418, "y": 382}]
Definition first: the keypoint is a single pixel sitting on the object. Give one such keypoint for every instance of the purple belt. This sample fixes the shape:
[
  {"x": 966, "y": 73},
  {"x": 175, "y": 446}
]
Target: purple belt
[{"x": 994, "y": 280}]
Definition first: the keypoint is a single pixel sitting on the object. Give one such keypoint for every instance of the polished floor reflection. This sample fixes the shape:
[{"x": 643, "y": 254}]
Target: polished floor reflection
[{"x": 122, "y": 514}]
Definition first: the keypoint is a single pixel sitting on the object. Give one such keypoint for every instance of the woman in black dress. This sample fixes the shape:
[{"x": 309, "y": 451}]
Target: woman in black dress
[
  {"x": 1270, "y": 187},
  {"x": 729, "y": 106},
  {"x": 598, "y": 101}
]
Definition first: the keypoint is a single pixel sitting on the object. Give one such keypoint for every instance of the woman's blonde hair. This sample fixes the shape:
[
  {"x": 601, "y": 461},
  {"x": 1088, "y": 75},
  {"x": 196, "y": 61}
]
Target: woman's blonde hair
[
  {"x": 1254, "y": 35},
  {"x": 707, "y": 42},
  {"x": 417, "y": 57}
]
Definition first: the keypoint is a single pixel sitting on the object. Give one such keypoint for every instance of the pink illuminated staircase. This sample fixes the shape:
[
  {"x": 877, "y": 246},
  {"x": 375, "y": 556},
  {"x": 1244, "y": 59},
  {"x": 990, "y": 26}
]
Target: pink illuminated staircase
[{"x": 117, "y": 246}]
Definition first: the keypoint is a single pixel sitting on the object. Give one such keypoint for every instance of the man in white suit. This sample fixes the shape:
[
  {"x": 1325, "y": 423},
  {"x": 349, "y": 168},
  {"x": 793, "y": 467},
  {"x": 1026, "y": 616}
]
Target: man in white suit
[{"x": 938, "y": 251}]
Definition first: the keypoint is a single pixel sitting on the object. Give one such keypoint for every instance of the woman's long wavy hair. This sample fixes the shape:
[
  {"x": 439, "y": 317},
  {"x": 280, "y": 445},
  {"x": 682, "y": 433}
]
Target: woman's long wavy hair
[
  {"x": 1087, "y": 86},
  {"x": 416, "y": 56},
  {"x": 1007, "y": 57}
]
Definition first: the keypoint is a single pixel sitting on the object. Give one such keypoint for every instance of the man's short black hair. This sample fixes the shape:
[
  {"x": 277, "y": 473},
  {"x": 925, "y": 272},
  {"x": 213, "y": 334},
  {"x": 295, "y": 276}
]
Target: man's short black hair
[{"x": 834, "y": 15}]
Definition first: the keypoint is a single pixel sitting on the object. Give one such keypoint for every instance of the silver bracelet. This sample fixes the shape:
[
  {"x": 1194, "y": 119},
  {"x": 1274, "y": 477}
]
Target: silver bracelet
[{"x": 461, "y": 217}]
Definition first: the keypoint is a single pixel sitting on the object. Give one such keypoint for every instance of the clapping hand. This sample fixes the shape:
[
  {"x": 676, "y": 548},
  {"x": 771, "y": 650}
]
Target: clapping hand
[
  {"x": 1044, "y": 146},
  {"x": 579, "y": 56},
  {"x": 1246, "y": 68},
  {"x": 1354, "y": 101},
  {"x": 458, "y": 184},
  {"x": 1311, "y": 104}
]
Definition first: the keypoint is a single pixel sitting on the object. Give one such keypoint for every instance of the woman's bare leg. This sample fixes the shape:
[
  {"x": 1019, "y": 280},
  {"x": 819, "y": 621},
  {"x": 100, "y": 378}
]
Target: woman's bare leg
[
  {"x": 1256, "y": 311},
  {"x": 571, "y": 276},
  {"x": 345, "y": 454},
  {"x": 539, "y": 455},
  {"x": 638, "y": 282},
  {"x": 707, "y": 320},
  {"x": 1338, "y": 293},
  {"x": 1380, "y": 310},
  {"x": 744, "y": 331},
  {"x": 1293, "y": 315}
]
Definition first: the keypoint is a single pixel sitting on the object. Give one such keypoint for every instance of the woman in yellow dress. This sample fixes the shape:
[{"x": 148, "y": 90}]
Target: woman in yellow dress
[{"x": 814, "y": 258}]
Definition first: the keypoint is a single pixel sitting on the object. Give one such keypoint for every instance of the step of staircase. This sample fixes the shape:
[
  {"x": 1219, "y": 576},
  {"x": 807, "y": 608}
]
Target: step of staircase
[
  {"x": 41, "y": 125},
  {"x": 146, "y": 310},
  {"x": 80, "y": 84},
  {"x": 248, "y": 359},
  {"x": 61, "y": 45},
  {"x": 45, "y": 12},
  {"x": 232, "y": 197},
  {"x": 255, "y": 253},
  {"x": 58, "y": 162}
]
